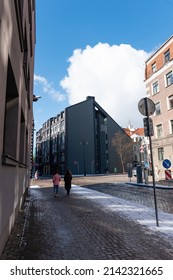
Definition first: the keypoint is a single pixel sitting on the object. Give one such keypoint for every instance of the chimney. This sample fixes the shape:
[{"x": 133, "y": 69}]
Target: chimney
[{"x": 90, "y": 97}]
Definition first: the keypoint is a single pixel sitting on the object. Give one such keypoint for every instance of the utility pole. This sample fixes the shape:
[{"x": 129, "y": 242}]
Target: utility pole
[{"x": 147, "y": 108}]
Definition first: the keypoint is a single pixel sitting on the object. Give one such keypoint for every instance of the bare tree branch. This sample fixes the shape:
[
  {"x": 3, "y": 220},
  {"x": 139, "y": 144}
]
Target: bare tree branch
[{"x": 123, "y": 146}]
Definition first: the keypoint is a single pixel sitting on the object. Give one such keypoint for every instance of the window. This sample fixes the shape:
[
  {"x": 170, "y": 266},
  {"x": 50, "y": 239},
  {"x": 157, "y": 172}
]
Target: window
[
  {"x": 155, "y": 88},
  {"x": 160, "y": 153},
  {"x": 62, "y": 125},
  {"x": 169, "y": 78},
  {"x": 167, "y": 56},
  {"x": 170, "y": 102},
  {"x": 25, "y": 60},
  {"x": 159, "y": 130},
  {"x": 19, "y": 15},
  {"x": 171, "y": 126},
  {"x": 11, "y": 117},
  {"x": 154, "y": 67},
  {"x": 157, "y": 107},
  {"x": 22, "y": 139}
]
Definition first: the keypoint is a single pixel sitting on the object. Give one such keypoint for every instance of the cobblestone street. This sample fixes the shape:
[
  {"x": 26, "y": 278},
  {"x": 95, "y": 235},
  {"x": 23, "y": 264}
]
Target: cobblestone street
[
  {"x": 87, "y": 225},
  {"x": 142, "y": 195}
]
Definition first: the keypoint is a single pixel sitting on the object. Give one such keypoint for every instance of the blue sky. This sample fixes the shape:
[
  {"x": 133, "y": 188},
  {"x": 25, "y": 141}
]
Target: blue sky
[{"x": 99, "y": 48}]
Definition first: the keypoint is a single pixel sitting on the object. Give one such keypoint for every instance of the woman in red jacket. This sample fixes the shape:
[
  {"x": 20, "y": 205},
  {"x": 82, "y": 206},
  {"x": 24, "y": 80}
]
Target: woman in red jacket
[{"x": 56, "y": 180}]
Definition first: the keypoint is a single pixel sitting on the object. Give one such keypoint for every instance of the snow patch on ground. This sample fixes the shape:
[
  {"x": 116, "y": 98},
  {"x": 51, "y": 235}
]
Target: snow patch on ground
[{"x": 141, "y": 214}]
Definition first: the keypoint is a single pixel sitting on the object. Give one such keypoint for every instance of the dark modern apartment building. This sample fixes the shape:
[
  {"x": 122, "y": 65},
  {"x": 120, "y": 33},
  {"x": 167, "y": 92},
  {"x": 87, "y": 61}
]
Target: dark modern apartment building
[
  {"x": 17, "y": 44},
  {"x": 79, "y": 139}
]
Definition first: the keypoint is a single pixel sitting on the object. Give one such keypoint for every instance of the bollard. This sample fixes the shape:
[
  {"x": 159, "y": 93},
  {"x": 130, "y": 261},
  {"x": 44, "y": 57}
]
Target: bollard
[
  {"x": 146, "y": 175},
  {"x": 139, "y": 173}
]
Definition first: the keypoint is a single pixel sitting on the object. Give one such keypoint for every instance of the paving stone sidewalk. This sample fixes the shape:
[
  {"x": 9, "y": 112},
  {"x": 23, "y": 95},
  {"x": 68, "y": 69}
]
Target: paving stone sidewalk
[{"x": 79, "y": 228}]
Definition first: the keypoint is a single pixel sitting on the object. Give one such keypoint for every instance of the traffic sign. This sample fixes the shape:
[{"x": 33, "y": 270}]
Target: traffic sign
[
  {"x": 146, "y": 107},
  {"x": 166, "y": 163}
]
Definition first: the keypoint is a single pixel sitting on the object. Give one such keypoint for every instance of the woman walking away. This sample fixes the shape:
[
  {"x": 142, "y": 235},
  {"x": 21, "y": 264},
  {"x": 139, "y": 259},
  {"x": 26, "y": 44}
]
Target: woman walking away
[
  {"x": 56, "y": 180},
  {"x": 67, "y": 180}
]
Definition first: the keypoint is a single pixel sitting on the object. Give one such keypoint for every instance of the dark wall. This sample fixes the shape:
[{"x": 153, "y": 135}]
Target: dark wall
[{"x": 80, "y": 137}]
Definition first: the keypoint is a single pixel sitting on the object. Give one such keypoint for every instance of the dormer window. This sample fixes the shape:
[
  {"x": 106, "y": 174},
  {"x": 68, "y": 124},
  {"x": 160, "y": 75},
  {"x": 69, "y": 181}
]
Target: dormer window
[
  {"x": 167, "y": 56},
  {"x": 154, "y": 67}
]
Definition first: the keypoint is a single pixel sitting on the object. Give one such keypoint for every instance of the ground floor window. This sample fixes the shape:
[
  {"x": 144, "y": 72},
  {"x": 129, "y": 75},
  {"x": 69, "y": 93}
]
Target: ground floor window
[{"x": 11, "y": 116}]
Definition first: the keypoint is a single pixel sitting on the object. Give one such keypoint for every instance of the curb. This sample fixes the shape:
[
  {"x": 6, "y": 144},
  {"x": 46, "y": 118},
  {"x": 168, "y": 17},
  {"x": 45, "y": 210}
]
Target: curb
[{"x": 150, "y": 186}]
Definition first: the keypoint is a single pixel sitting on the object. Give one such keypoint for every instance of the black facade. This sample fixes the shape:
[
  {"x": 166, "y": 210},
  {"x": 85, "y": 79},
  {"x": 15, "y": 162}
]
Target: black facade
[{"x": 79, "y": 139}]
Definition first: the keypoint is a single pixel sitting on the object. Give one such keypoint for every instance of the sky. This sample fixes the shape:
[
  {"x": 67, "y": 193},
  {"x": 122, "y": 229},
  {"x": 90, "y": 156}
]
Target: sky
[{"x": 96, "y": 48}]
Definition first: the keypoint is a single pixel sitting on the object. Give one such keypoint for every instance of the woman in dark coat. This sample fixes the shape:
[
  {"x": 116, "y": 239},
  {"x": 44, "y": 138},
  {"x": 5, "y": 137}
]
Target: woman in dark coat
[{"x": 67, "y": 180}]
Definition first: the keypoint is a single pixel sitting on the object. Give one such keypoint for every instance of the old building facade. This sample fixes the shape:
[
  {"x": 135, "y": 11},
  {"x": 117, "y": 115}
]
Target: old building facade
[
  {"x": 79, "y": 138},
  {"x": 159, "y": 86},
  {"x": 17, "y": 44}
]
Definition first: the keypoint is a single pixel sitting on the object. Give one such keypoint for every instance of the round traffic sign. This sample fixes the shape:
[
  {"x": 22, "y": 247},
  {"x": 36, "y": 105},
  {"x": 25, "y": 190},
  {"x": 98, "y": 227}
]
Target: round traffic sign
[
  {"x": 166, "y": 163},
  {"x": 146, "y": 107}
]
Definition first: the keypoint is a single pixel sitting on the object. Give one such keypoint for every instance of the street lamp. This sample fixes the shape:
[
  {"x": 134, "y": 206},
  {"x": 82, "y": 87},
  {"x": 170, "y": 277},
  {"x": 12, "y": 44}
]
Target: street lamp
[{"x": 35, "y": 98}]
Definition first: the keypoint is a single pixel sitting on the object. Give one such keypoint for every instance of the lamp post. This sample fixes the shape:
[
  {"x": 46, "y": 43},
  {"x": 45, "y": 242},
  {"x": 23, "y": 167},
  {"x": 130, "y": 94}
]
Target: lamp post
[{"x": 34, "y": 99}]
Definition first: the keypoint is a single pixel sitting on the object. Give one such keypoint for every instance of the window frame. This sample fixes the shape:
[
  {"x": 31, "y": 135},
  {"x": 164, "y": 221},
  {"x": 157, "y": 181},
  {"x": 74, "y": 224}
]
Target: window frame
[
  {"x": 159, "y": 130},
  {"x": 11, "y": 120},
  {"x": 160, "y": 153},
  {"x": 170, "y": 102},
  {"x": 169, "y": 78},
  {"x": 155, "y": 87},
  {"x": 171, "y": 126},
  {"x": 157, "y": 112},
  {"x": 167, "y": 56},
  {"x": 154, "y": 68}
]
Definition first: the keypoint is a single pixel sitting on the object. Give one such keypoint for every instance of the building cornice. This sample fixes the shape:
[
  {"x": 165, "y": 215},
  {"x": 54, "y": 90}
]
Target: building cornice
[
  {"x": 167, "y": 42},
  {"x": 160, "y": 71}
]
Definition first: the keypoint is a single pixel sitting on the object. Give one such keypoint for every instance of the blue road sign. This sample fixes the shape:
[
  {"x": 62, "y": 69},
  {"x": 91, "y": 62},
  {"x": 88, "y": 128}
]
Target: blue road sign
[{"x": 166, "y": 163}]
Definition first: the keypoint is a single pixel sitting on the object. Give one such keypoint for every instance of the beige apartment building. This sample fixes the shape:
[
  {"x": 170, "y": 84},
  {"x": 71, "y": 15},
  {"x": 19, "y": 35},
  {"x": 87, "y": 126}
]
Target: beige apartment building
[
  {"x": 159, "y": 86},
  {"x": 17, "y": 44}
]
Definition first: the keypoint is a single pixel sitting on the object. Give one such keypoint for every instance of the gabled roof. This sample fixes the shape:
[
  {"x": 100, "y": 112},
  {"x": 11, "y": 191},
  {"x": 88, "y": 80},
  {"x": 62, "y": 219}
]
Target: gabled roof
[{"x": 138, "y": 131}]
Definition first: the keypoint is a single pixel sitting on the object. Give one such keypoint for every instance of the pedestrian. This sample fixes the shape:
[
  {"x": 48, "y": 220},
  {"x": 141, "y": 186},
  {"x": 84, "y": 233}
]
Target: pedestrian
[
  {"x": 67, "y": 180},
  {"x": 56, "y": 180},
  {"x": 157, "y": 171},
  {"x": 36, "y": 175}
]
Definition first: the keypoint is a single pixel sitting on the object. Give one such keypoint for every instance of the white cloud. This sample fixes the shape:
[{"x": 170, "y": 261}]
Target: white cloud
[
  {"x": 48, "y": 88},
  {"x": 113, "y": 74}
]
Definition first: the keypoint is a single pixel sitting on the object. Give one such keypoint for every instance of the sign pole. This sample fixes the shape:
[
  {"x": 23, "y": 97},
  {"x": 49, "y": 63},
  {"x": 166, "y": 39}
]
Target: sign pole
[{"x": 152, "y": 165}]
